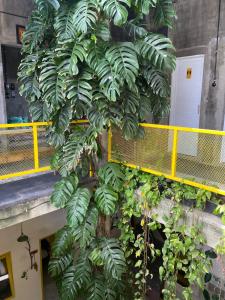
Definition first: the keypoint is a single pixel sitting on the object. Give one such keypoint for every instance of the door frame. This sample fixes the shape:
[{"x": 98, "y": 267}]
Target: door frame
[{"x": 174, "y": 84}]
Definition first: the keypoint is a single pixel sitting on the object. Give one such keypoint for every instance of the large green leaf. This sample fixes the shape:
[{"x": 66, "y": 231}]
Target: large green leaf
[
  {"x": 103, "y": 30},
  {"x": 165, "y": 13},
  {"x": 55, "y": 4},
  {"x": 160, "y": 106},
  {"x": 123, "y": 57},
  {"x": 157, "y": 80},
  {"x": 79, "y": 89},
  {"x": 154, "y": 48},
  {"x": 63, "y": 191},
  {"x": 69, "y": 289},
  {"x": 106, "y": 199},
  {"x": 77, "y": 207},
  {"x": 145, "y": 5},
  {"x": 97, "y": 288},
  {"x": 113, "y": 258},
  {"x": 64, "y": 24},
  {"x": 116, "y": 10},
  {"x": 59, "y": 264},
  {"x": 28, "y": 77},
  {"x": 96, "y": 52},
  {"x": 36, "y": 111},
  {"x": 78, "y": 54},
  {"x": 35, "y": 32},
  {"x": 80, "y": 141},
  {"x": 112, "y": 174},
  {"x": 109, "y": 80},
  {"x": 96, "y": 257},
  {"x": 130, "y": 126},
  {"x": 96, "y": 118},
  {"x": 83, "y": 271},
  {"x": 63, "y": 241},
  {"x": 85, "y": 16},
  {"x": 135, "y": 31},
  {"x": 87, "y": 230},
  {"x": 51, "y": 83}
]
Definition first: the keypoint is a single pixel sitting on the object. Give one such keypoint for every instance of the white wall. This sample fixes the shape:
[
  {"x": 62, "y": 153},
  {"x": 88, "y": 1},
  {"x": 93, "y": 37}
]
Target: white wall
[{"x": 36, "y": 229}]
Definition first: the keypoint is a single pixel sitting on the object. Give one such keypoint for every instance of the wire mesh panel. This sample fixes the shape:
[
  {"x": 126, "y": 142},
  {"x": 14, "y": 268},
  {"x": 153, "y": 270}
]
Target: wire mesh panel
[
  {"x": 16, "y": 150},
  {"x": 191, "y": 156},
  {"x": 45, "y": 151},
  {"x": 201, "y": 158},
  {"x": 153, "y": 151}
]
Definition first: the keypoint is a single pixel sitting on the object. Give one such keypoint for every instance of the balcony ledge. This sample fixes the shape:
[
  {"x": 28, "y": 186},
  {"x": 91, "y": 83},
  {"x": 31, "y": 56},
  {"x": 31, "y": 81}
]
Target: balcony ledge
[{"x": 27, "y": 198}]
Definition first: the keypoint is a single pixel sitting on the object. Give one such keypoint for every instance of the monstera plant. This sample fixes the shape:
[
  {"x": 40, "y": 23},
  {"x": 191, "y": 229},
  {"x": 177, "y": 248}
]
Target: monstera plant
[{"x": 105, "y": 61}]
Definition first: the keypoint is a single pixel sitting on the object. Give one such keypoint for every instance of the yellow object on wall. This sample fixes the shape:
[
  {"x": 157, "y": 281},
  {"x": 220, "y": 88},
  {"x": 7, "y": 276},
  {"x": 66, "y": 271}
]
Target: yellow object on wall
[{"x": 189, "y": 73}]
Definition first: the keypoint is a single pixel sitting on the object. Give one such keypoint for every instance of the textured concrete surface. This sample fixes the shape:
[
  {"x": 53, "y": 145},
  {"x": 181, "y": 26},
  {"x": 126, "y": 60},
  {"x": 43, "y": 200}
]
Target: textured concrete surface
[
  {"x": 212, "y": 226},
  {"x": 195, "y": 33},
  {"x": 18, "y": 192},
  {"x": 28, "y": 198}
]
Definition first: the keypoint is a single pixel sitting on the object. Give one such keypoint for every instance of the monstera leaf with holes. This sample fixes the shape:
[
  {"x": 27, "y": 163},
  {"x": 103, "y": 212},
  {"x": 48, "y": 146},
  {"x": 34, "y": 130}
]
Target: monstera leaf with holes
[{"x": 93, "y": 59}]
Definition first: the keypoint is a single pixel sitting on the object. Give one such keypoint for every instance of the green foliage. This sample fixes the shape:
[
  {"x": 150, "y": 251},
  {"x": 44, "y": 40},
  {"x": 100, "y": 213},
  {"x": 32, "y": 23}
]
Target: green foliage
[
  {"x": 106, "y": 199},
  {"x": 97, "y": 289},
  {"x": 85, "y": 16},
  {"x": 77, "y": 58},
  {"x": 63, "y": 242},
  {"x": 85, "y": 233},
  {"x": 164, "y": 13},
  {"x": 77, "y": 207},
  {"x": 113, "y": 258},
  {"x": 96, "y": 60},
  {"x": 116, "y": 10},
  {"x": 154, "y": 47},
  {"x": 63, "y": 191},
  {"x": 112, "y": 174},
  {"x": 57, "y": 266}
]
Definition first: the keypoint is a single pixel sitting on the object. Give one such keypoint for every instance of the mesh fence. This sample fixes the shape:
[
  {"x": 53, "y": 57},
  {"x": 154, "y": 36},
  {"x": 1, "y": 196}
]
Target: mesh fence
[
  {"x": 152, "y": 152},
  {"x": 17, "y": 150},
  {"x": 45, "y": 151},
  {"x": 199, "y": 155}
]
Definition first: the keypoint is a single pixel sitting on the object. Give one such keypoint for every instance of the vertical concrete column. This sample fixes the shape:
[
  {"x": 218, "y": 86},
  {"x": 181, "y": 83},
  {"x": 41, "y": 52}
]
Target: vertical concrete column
[{"x": 3, "y": 113}]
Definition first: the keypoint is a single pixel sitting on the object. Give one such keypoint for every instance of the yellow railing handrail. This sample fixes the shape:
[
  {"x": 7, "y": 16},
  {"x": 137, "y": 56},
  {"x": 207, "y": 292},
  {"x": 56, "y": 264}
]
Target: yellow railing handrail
[
  {"x": 35, "y": 127},
  {"x": 174, "y": 153},
  {"x": 185, "y": 129},
  {"x": 31, "y": 124},
  {"x": 25, "y": 128}
]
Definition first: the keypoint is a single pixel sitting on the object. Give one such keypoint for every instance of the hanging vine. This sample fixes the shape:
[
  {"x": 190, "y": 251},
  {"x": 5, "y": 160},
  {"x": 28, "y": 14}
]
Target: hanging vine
[{"x": 96, "y": 59}]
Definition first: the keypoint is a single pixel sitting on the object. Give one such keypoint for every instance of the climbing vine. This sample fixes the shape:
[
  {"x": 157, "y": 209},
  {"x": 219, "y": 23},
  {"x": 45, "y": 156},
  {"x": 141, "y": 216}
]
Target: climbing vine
[
  {"x": 97, "y": 59},
  {"x": 184, "y": 257}
]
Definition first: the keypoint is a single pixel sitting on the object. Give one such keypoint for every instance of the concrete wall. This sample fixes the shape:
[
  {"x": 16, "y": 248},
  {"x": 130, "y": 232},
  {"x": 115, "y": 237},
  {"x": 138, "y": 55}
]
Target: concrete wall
[
  {"x": 36, "y": 229},
  {"x": 8, "y": 23},
  {"x": 22, "y": 9},
  {"x": 195, "y": 33}
]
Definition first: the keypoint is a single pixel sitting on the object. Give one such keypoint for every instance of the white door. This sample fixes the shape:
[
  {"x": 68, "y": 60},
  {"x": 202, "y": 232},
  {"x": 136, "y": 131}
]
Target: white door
[{"x": 186, "y": 99}]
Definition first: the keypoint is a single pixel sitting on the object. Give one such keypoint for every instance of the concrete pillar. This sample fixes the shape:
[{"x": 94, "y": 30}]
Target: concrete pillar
[{"x": 3, "y": 113}]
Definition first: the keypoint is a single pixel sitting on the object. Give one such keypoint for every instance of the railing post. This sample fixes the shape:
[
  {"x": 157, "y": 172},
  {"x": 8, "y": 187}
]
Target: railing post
[
  {"x": 109, "y": 144},
  {"x": 35, "y": 143},
  {"x": 174, "y": 153}
]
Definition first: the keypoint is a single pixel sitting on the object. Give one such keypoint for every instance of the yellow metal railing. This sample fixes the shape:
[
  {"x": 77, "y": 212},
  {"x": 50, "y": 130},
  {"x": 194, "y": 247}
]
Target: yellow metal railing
[
  {"x": 24, "y": 150},
  {"x": 192, "y": 156}
]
